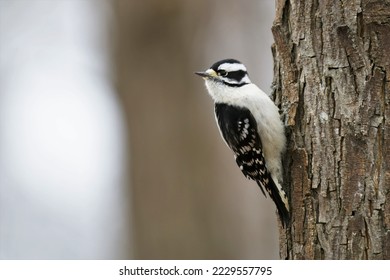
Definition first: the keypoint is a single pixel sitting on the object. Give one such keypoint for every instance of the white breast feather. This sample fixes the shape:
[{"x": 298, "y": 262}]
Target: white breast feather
[{"x": 266, "y": 113}]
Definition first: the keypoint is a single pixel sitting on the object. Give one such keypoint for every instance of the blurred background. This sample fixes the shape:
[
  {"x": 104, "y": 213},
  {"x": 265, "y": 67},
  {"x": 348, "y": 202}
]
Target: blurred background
[{"x": 108, "y": 143}]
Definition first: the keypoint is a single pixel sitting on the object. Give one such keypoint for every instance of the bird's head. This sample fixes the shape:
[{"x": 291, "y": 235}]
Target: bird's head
[{"x": 229, "y": 72}]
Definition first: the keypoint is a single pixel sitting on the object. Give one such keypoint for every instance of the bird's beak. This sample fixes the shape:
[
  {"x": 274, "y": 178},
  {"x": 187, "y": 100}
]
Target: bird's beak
[{"x": 209, "y": 73}]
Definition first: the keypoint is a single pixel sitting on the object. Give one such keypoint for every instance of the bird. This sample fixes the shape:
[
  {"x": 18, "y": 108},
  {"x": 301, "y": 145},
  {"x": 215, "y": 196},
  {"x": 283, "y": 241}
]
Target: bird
[{"x": 250, "y": 124}]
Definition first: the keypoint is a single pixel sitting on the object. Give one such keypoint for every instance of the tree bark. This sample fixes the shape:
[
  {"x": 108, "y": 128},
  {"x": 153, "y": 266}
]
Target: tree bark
[{"x": 331, "y": 78}]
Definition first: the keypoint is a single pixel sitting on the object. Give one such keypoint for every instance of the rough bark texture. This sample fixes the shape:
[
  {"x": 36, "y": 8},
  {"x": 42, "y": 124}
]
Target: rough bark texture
[{"x": 332, "y": 74}]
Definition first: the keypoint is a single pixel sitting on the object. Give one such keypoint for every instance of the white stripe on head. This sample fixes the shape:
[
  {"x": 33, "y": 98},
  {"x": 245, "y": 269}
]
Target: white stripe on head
[{"x": 231, "y": 67}]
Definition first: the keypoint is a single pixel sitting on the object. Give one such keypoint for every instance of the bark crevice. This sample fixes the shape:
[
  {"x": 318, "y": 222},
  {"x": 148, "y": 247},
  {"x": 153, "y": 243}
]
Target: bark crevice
[{"x": 332, "y": 61}]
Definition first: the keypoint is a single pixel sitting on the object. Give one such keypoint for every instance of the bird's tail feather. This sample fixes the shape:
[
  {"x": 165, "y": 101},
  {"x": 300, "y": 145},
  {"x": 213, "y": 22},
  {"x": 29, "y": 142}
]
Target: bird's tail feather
[{"x": 282, "y": 205}]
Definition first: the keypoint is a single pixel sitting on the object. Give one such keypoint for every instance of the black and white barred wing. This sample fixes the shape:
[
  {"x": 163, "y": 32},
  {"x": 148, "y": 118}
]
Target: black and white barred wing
[{"x": 239, "y": 130}]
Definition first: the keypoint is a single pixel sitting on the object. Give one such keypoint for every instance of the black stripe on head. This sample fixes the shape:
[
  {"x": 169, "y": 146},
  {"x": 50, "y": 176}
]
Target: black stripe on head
[
  {"x": 231, "y": 72},
  {"x": 236, "y": 75},
  {"x": 230, "y": 84},
  {"x": 228, "y": 60}
]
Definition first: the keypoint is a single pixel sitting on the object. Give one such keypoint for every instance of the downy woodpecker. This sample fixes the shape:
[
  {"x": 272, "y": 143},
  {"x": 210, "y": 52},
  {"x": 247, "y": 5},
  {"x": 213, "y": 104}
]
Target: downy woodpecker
[{"x": 250, "y": 124}]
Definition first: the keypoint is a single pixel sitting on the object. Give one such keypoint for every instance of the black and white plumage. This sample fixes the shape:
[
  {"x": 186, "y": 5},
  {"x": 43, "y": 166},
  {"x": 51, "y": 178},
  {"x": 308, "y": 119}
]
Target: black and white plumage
[{"x": 250, "y": 124}]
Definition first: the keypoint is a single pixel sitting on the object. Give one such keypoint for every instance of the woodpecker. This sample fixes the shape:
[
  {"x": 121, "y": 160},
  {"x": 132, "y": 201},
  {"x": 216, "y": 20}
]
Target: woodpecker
[{"x": 250, "y": 124}]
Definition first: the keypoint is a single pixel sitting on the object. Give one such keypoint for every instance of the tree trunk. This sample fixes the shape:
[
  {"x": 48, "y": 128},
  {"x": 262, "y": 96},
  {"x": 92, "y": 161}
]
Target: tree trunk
[{"x": 331, "y": 77}]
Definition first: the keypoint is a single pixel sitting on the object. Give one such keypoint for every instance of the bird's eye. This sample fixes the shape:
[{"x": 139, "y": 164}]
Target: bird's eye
[{"x": 222, "y": 73}]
